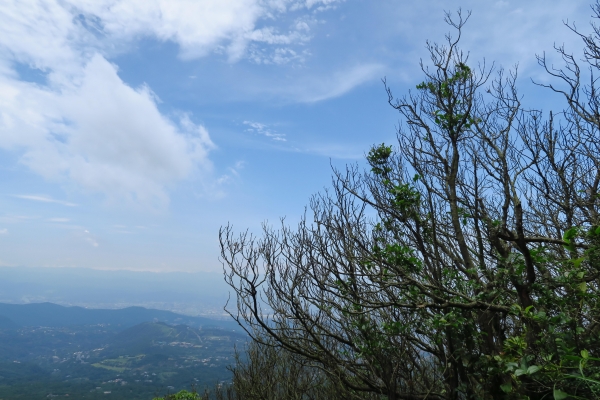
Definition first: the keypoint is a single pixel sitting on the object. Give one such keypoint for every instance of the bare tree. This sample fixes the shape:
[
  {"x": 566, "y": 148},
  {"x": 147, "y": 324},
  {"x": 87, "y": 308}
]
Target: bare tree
[
  {"x": 463, "y": 265},
  {"x": 265, "y": 371}
]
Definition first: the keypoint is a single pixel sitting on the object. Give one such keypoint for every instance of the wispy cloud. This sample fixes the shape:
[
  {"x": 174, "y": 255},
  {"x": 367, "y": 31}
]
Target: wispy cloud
[
  {"x": 505, "y": 31},
  {"x": 282, "y": 55},
  {"x": 59, "y": 220},
  {"x": 263, "y": 129},
  {"x": 232, "y": 173},
  {"x": 44, "y": 199},
  {"x": 15, "y": 219},
  {"x": 120, "y": 228},
  {"x": 89, "y": 238},
  {"x": 3, "y": 231},
  {"x": 333, "y": 85}
]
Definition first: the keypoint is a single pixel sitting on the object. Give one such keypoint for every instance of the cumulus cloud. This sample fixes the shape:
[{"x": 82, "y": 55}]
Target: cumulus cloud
[
  {"x": 101, "y": 134},
  {"x": 53, "y": 31},
  {"x": 84, "y": 124},
  {"x": 196, "y": 26},
  {"x": 116, "y": 139}
]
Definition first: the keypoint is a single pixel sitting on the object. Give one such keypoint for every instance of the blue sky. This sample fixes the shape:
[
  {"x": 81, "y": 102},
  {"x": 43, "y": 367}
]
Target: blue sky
[{"x": 131, "y": 130}]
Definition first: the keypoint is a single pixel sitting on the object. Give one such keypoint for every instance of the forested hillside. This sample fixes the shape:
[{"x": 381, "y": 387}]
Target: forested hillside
[{"x": 52, "y": 351}]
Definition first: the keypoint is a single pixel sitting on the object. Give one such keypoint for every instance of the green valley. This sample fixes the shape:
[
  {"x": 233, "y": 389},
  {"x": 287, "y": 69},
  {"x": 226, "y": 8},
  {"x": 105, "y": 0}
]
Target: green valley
[{"x": 107, "y": 361}]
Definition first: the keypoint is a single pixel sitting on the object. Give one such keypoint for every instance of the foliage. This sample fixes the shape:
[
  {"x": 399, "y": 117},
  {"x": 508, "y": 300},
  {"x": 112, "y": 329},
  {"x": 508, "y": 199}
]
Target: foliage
[
  {"x": 265, "y": 371},
  {"x": 182, "y": 395},
  {"x": 465, "y": 264}
]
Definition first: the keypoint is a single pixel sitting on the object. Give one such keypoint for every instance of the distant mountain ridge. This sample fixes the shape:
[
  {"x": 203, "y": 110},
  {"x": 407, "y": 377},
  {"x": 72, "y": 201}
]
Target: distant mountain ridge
[
  {"x": 7, "y": 323},
  {"x": 197, "y": 293},
  {"x": 54, "y": 315}
]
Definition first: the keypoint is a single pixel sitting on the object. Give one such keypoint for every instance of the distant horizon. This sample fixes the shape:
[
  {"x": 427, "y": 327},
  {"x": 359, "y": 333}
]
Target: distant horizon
[
  {"x": 115, "y": 269},
  {"x": 190, "y": 293}
]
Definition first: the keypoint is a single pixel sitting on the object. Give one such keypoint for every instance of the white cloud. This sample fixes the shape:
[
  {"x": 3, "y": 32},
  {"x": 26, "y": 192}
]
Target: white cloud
[
  {"x": 40, "y": 33},
  {"x": 279, "y": 56},
  {"x": 88, "y": 238},
  {"x": 58, "y": 219},
  {"x": 233, "y": 172},
  {"x": 196, "y": 26},
  {"x": 321, "y": 4},
  {"x": 85, "y": 125},
  {"x": 262, "y": 129},
  {"x": 53, "y": 32},
  {"x": 16, "y": 219},
  {"x": 118, "y": 141},
  {"x": 507, "y": 31},
  {"x": 315, "y": 86},
  {"x": 513, "y": 36},
  {"x": 3, "y": 231},
  {"x": 101, "y": 134},
  {"x": 338, "y": 84},
  {"x": 44, "y": 199}
]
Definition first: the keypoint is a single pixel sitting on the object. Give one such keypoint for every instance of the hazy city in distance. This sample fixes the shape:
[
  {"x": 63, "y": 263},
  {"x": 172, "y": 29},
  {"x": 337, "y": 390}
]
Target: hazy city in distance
[{"x": 199, "y": 293}]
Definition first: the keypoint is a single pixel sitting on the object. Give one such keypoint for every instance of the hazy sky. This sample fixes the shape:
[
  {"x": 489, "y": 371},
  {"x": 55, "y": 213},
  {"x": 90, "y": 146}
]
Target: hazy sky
[{"x": 130, "y": 130}]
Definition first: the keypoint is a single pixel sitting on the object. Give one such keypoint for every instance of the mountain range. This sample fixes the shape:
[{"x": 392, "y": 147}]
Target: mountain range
[{"x": 52, "y": 315}]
